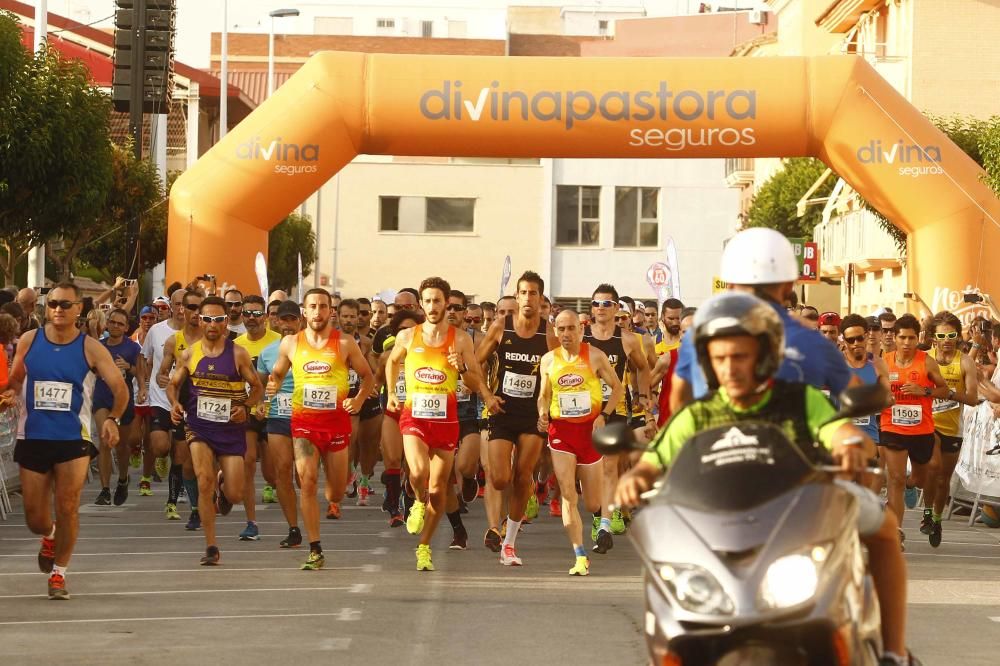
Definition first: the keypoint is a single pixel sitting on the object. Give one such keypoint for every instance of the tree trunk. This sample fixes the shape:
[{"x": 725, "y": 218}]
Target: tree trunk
[{"x": 13, "y": 254}]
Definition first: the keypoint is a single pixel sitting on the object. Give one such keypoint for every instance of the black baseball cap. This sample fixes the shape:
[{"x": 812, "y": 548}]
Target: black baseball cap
[{"x": 288, "y": 308}]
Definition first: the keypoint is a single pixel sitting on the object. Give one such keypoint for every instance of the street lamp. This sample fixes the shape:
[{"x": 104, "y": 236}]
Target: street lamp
[{"x": 277, "y": 13}]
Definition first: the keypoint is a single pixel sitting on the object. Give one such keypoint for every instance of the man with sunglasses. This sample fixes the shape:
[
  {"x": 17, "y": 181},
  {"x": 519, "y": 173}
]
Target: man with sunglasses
[
  {"x": 320, "y": 358},
  {"x": 868, "y": 369},
  {"x": 887, "y": 320},
  {"x": 127, "y": 355},
  {"x": 873, "y": 342},
  {"x": 959, "y": 372},
  {"x": 182, "y": 473},
  {"x": 257, "y": 337},
  {"x": 610, "y": 331},
  {"x": 520, "y": 342},
  {"x": 234, "y": 308},
  {"x": 349, "y": 315},
  {"x": 279, "y": 422},
  {"x": 215, "y": 410},
  {"x": 54, "y": 366}
]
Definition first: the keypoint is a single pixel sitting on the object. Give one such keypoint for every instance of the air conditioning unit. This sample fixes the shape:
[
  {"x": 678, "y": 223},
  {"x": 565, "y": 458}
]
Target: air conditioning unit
[{"x": 758, "y": 17}]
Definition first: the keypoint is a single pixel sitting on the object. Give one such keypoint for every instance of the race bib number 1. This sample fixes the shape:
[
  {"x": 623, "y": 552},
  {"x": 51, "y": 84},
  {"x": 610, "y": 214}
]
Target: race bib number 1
[
  {"x": 907, "y": 415},
  {"x": 429, "y": 405},
  {"x": 519, "y": 386},
  {"x": 319, "y": 397},
  {"x": 576, "y": 403},
  {"x": 53, "y": 396},
  {"x": 212, "y": 409}
]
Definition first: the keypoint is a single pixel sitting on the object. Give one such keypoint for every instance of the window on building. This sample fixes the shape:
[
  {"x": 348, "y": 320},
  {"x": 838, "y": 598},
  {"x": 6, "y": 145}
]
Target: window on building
[
  {"x": 441, "y": 215},
  {"x": 427, "y": 28},
  {"x": 385, "y": 23},
  {"x": 602, "y": 27},
  {"x": 637, "y": 217},
  {"x": 578, "y": 213}
]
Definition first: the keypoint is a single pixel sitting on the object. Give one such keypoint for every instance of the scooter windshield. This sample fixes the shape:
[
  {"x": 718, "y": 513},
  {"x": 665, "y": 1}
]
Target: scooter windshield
[{"x": 735, "y": 467}]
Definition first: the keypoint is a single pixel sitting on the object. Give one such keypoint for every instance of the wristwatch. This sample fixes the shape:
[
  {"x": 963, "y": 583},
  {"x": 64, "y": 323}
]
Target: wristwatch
[
  {"x": 927, "y": 390},
  {"x": 951, "y": 394},
  {"x": 116, "y": 420}
]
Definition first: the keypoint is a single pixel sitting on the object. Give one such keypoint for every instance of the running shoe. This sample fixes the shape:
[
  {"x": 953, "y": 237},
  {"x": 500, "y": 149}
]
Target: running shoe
[
  {"x": 352, "y": 486},
  {"x": 424, "y": 558},
  {"x": 363, "y": 493},
  {"x": 293, "y": 540},
  {"x": 925, "y": 521},
  {"x": 492, "y": 540},
  {"x": 182, "y": 497},
  {"x": 222, "y": 503},
  {"x": 104, "y": 497},
  {"x": 267, "y": 495},
  {"x": 910, "y": 496},
  {"x": 121, "y": 491},
  {"x": 314, "y": 562},
  {"x": 396, "y": 520},
  {"x": 415, "y": 521},
  {"x": 145, "y": 487},
  {"x": 470, "y": 490},
  {"x": 508, "y": 556},
  {"x": 250, "y": 532},
  {"x": 194, "y": 521},
  {"x": 603, "y": 543},
  {"x": 333, "y": 511},
  {"x": 211, "y": 556},
  {"x": 387, "y": 506},
  {"x": 555, "y": 508},
  {"x": 460, "y": 540},
  {"x": 171, "y": 512},
  {"x": 162, "y": 467},
  {"x": 582, "y": 566},
  {"x": 617, "y": 522},
  {"x": 934, "y": 538},
  {"x": 57, "y": 587},
  {"x": 531, "y": 511},
  {"x": 47, "y": 555}
]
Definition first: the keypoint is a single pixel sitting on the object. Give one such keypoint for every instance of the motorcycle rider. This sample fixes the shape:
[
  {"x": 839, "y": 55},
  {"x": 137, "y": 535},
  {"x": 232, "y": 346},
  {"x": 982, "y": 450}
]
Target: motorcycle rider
[{"x": 740, "y": 341}]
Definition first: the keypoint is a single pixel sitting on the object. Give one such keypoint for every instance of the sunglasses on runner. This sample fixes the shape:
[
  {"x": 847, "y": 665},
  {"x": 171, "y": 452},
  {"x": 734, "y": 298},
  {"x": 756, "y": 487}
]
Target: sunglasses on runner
[
  {"x": 623, "y": 317},
  {"x": 234, "y": 304},
  {"x": 209, "y": 319},
  {"x": 602, "y": 304},
  {"x": 64, "y": 304},
  {"x": 193, "y": 307},
  {"x": 455, "y": 307},
  {"x": 364, "y": 313},
  {"x": 946, "y": 336},
  {"x": 473, "y": 320},
  {"x": 888, "y": 331},
  {"x": 254, "y": 313},
  {"x": 854, "y": 339}
]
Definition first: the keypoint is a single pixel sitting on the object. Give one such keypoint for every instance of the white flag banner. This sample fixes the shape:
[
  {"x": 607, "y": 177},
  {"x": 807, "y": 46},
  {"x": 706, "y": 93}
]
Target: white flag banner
[
  {"x": 260, "y": 267},
  {"x": 675, "y": 272},
  {"x": 505, "y": 276},
  {"x": 300, "y": 279},
  {"x": 978, "y": 464}
]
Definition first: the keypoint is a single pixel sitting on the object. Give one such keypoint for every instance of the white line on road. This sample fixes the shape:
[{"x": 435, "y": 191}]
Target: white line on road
[
  {"x": 267, "y": 616},
  {"x": 967, "y": 557},
  {"x": 178, "y": 536},
  {"x": 150, "y": 592},
  {"x": 198, "y": 570},
  {"x": 282, "y": 551}
]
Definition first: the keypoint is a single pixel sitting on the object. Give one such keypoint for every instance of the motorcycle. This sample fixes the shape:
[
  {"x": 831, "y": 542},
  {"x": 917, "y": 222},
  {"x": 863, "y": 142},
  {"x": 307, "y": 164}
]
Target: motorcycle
[{"x": 750, "y": 552}]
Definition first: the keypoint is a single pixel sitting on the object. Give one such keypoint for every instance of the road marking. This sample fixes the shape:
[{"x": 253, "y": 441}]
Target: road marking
[
  {"x": 282, "y": 551},
  {"x": 371, "y": 568},
  {"x": 150, "y": 592},
  {"x": 178, "y": 536},
  {"x": 348, "y": 615},
  {"x": 361, "y": 588},
  {"x": 192, "y": 570},
  {"x": 263, "y": 616},
  {"x": 995, "y": 619},
  {"x": 968, "y": 557},
  {"x": 954, "y": 592}
]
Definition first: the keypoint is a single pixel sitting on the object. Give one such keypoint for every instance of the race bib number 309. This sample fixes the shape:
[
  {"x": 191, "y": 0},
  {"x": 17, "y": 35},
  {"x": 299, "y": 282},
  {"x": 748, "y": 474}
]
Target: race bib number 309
[{"x": 429, "y": 405}]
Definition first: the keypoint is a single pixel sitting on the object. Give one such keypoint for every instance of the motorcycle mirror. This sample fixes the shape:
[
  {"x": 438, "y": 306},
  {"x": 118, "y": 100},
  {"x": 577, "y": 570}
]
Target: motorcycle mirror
[
  {"x": 862, "y": 401},
  {"x": 615, "y": 438}
]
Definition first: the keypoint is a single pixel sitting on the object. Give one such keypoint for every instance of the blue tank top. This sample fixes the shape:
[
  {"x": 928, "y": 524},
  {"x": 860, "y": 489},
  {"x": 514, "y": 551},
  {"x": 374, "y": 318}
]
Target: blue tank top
[
  {"x": 58, "y": 390},
  {"x": 867, "y": 375},
  {"x": 215, "y": 388}
]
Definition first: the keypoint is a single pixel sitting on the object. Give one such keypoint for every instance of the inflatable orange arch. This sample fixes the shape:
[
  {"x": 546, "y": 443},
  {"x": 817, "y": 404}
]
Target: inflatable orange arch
[{"x": 339, "y": 105}]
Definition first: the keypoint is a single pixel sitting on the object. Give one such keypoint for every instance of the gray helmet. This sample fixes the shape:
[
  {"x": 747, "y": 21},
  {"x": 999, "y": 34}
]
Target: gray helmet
[{"x": 734, "y": 314}]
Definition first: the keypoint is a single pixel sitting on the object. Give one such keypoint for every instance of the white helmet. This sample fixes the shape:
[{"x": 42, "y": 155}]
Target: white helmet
[{"x": 759, "y": 256}]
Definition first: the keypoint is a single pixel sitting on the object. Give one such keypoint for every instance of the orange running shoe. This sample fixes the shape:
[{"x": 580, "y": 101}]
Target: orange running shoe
[{"x": 333, "y": 511}]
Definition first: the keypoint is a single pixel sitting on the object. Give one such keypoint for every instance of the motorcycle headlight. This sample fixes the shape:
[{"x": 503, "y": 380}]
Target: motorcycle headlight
[
  {"x": 695, "y": 589},
  {"x": 792, "y": 579}
]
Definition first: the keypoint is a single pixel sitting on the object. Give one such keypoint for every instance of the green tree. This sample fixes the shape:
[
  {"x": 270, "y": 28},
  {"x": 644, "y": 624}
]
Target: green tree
[
  {"x": 136, "y": 190},
  {"x": 775, "y": 204},
  {"x": 291, "y": 237},
  {"x": 979, "y": 139},
  {"x": 55, "y": 149}
]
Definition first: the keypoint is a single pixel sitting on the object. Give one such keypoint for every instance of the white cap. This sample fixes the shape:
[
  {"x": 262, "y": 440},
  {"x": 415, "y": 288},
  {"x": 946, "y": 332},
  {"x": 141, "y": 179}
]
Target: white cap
[
  {"x": 622, "y": 305},
  {"x": 759, "y": 256}
]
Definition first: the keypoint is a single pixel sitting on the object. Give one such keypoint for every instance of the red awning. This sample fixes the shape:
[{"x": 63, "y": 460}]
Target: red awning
[{"x": 100, "y": 65}]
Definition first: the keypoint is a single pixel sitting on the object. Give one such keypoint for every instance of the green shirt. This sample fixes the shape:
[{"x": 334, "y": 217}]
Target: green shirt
[{"x": 668, "y": 442}]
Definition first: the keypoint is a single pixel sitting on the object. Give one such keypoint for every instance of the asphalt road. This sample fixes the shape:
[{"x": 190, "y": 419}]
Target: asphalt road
[{"x": 139, "y": 594}]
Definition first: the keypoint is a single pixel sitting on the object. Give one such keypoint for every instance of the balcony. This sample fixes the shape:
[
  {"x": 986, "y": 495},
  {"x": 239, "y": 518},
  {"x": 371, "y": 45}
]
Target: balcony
[
  {"x": 739, "y": 171},
  {"x": 854, "y": 237}
]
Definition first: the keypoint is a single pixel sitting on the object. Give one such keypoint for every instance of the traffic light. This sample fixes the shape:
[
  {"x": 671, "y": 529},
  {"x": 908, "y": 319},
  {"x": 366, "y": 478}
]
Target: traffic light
[{"x": 144, "y": 51}]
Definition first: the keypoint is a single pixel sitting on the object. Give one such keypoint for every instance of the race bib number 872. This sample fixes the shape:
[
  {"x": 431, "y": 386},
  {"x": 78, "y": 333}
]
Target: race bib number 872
[{"x": 319, "y": 397}]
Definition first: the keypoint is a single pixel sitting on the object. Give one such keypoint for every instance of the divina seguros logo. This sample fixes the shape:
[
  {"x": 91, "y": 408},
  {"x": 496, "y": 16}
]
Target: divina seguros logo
[
  {"x": 278, "y": 151},
  {"x": 914, "y": 160},
  {"x": 574, "y": 107}
]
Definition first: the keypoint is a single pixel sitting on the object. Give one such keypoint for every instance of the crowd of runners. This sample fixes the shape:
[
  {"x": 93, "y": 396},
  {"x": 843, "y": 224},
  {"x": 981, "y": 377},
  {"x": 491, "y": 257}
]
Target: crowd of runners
[{"x": 454, "y": 400}]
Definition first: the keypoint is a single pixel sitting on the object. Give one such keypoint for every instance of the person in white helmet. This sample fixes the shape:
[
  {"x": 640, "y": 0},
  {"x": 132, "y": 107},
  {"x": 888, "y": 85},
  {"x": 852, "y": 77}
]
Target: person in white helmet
[{"x": 762, "y": 262}]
